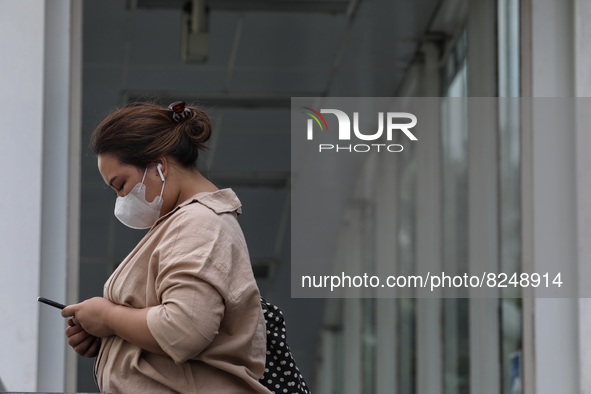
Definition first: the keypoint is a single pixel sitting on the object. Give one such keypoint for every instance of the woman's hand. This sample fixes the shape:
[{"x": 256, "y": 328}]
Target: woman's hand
[
  {"x": 81, "y": 341},
  {"x": 101, "y": 318},
  {"x": 92, "y": 316}
]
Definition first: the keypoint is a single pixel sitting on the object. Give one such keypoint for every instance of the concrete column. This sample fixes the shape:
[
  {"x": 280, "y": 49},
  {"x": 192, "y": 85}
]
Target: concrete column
[
  {"x": 21, "y": 125},
  {"x": 549, "y": 197},
  {"x": 429, "y": 248},
  {"x": 582, "y": 13},
  {"x": 483, "y": 211},
  {"x": 60, "y": 188},
  {"x": 36, "y": 203}
]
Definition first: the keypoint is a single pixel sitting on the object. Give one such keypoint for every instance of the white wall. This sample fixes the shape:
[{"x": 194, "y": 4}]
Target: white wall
[
  {"x": 21, "y": 127},
  {"x": 34, "y": 203}
]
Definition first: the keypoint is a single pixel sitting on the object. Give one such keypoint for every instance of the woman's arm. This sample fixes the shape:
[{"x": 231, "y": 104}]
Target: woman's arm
[{"x": 101, "y": 318}]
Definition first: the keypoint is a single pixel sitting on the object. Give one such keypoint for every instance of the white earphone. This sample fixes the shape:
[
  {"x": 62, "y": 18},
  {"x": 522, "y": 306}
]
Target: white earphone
[{"x": 159, "y": 169}]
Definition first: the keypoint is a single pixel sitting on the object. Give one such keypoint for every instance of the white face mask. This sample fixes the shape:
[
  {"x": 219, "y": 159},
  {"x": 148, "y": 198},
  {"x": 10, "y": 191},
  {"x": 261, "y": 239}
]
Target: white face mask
[{"x": 134, "y": 211}]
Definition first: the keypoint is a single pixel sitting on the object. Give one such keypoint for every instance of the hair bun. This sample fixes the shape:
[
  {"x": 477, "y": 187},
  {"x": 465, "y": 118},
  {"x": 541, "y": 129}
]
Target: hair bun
[{"x": 196, "y": 126}]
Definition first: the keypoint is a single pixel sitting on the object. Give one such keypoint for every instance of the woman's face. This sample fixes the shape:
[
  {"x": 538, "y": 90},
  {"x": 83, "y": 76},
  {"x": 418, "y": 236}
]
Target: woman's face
[{"x": 122, "y": 178}]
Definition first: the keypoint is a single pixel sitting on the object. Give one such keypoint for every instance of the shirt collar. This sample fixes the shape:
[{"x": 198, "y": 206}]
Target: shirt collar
[{"x": 219, "y": 201}]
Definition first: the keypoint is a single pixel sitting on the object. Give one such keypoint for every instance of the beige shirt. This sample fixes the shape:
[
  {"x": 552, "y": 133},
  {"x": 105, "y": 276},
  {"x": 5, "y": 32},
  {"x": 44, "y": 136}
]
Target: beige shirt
[{"x": 194, "y": 270}]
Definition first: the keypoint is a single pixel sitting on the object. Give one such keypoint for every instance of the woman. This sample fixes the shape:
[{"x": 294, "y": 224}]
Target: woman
[{"x": 182, "y": 312}]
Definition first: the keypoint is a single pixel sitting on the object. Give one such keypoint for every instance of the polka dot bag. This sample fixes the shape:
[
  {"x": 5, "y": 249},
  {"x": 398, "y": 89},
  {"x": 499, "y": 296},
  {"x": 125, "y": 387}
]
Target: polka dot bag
[{"x": 281, "y": 373}]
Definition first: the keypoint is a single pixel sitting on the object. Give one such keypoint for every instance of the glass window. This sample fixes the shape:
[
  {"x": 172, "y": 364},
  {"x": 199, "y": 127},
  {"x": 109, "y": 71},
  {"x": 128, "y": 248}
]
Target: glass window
[
  {"x": 456, "y": 338},
  {"x": 369, "y": 345},
  {"x": 509, "y": 190},
  {"x": 369, "y": 331},
  {"x": 406, "y": 259},
  {"x": 338, "y": 361}
]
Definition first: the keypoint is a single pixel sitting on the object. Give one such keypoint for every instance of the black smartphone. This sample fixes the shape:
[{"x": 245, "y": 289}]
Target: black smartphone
[{"x": 51, "y": 303}]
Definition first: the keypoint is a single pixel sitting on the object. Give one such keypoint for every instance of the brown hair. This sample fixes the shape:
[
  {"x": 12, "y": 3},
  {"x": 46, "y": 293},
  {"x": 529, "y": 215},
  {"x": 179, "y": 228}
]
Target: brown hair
[{"x": 140, "y": 133}]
